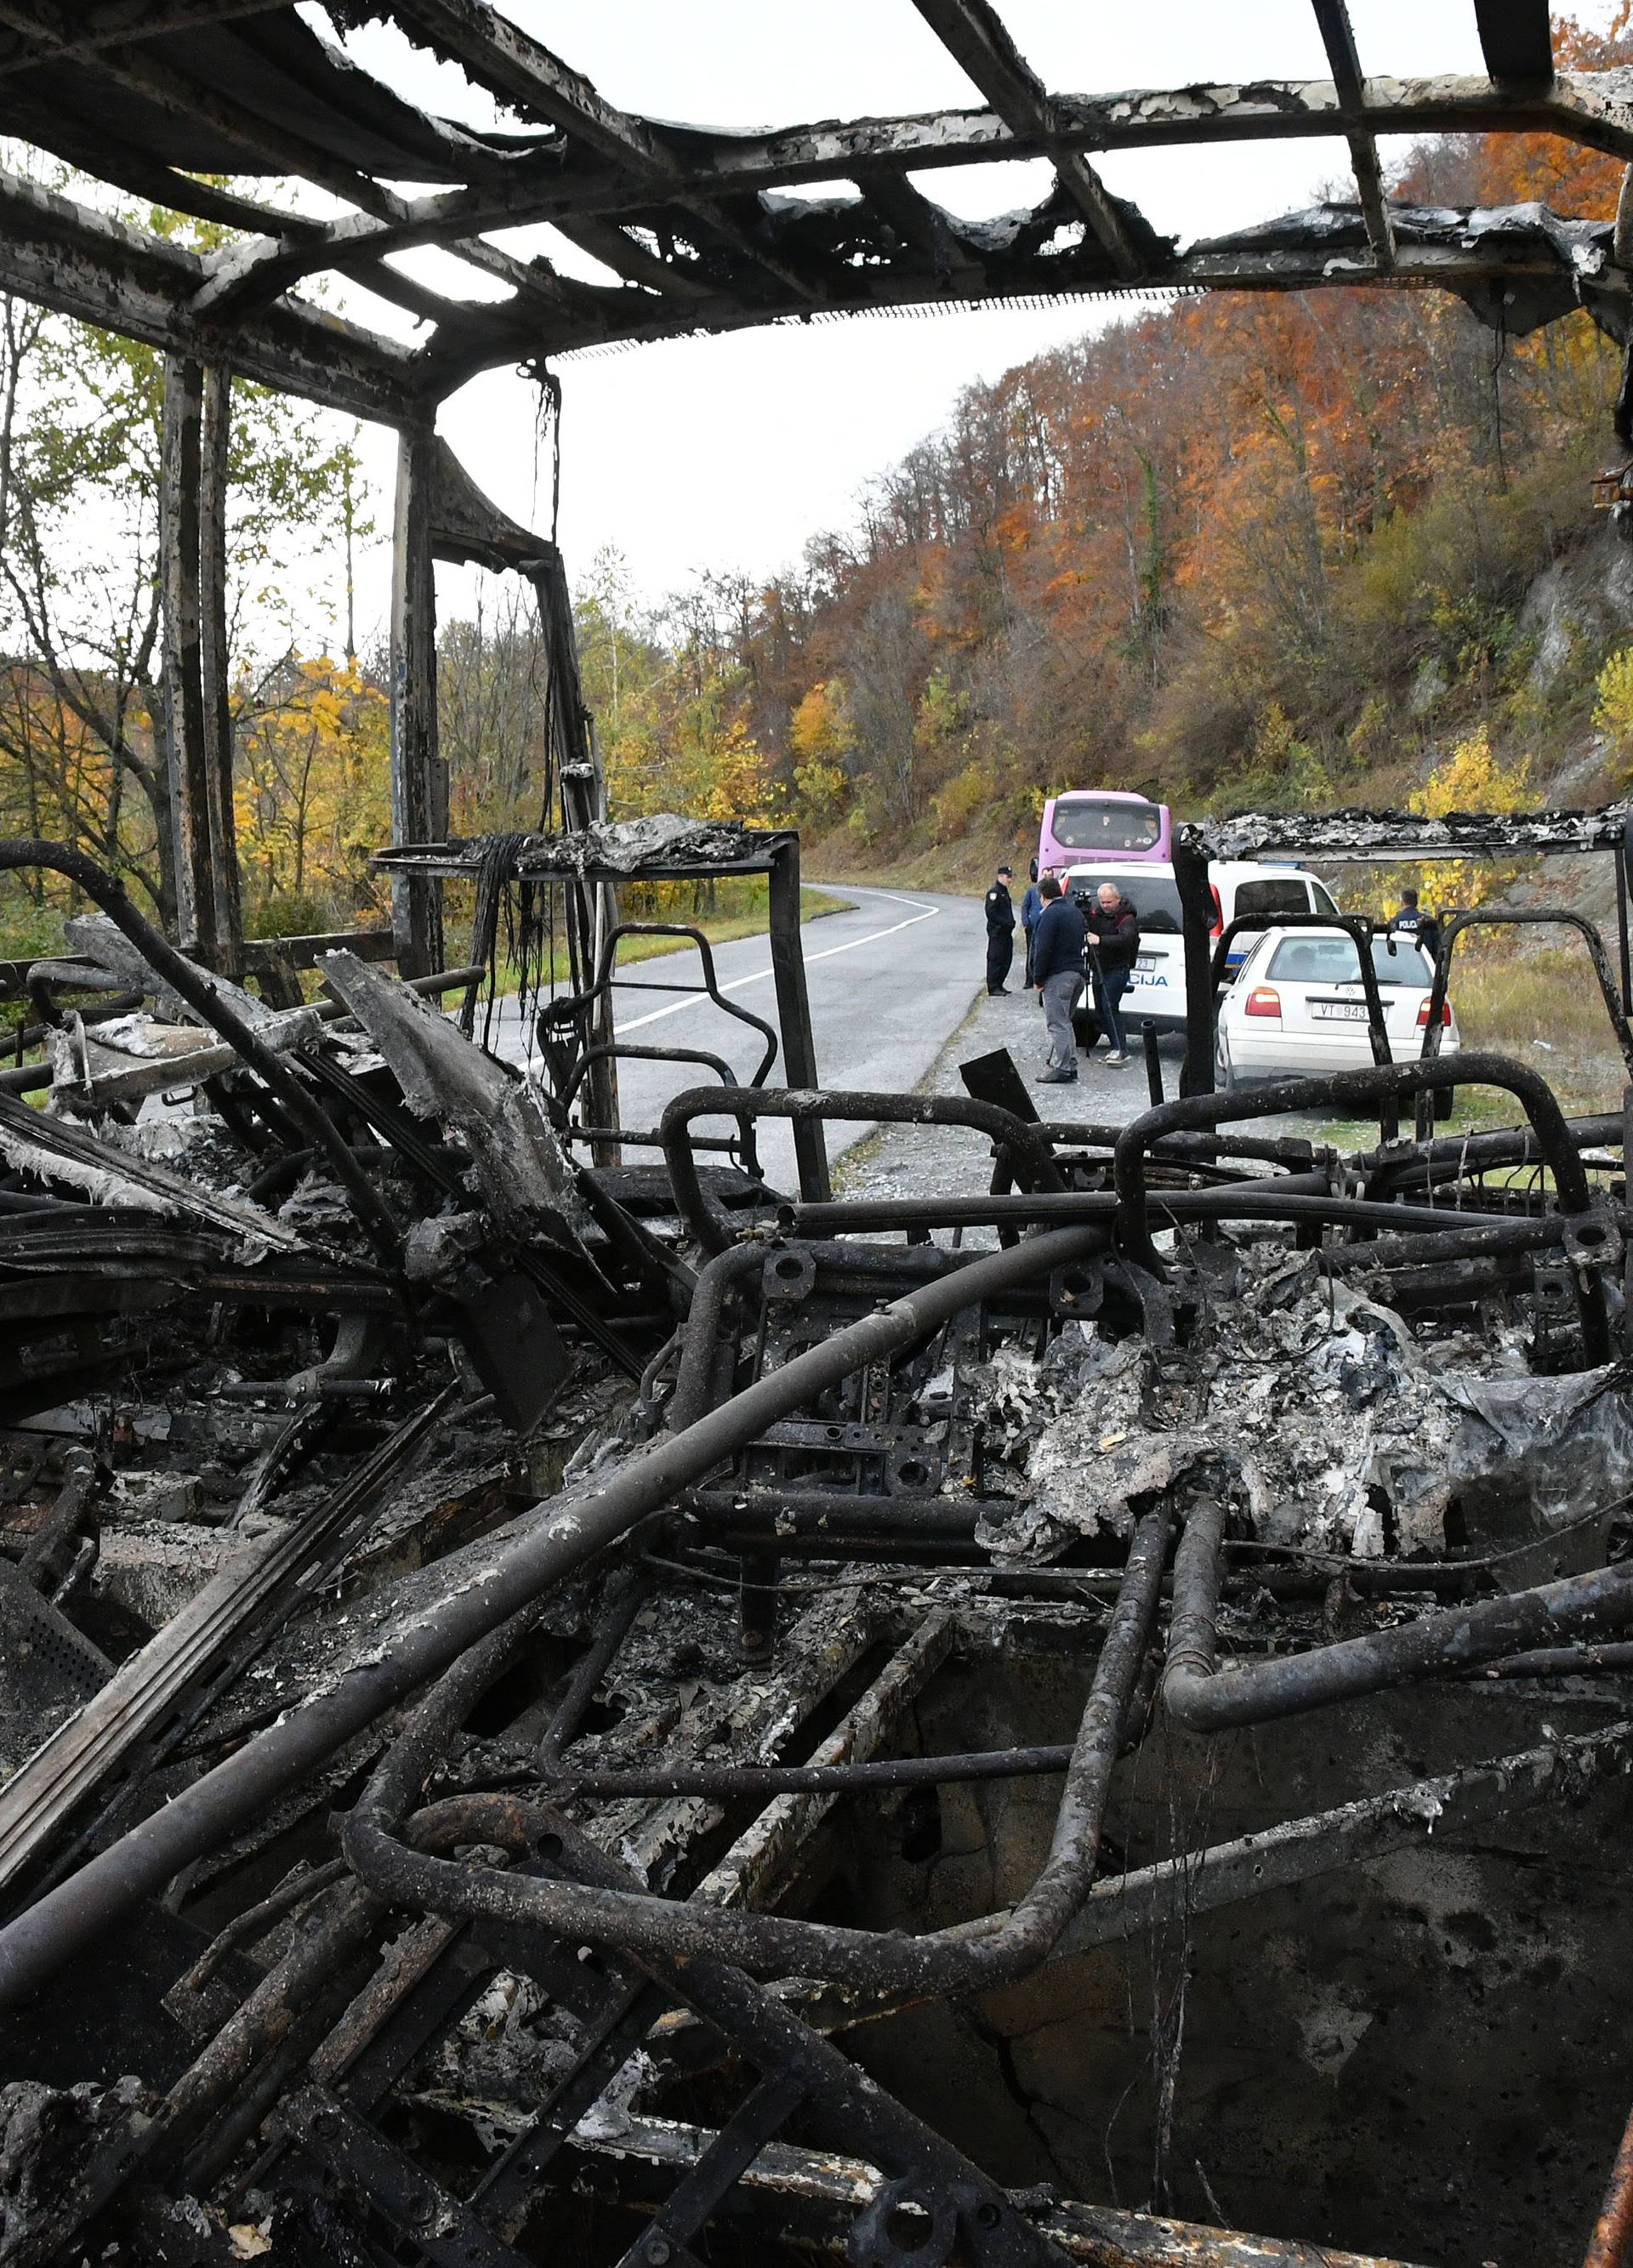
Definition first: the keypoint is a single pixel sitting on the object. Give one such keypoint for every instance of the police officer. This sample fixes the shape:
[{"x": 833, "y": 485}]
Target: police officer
[
  {"x": 1000, "y": 934},
  {"x": 1412, "y": 922}
]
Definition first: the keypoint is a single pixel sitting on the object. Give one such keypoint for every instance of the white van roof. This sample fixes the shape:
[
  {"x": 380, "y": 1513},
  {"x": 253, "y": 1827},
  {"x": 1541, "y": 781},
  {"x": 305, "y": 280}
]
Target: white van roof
[
  {"x": 1219, "y": 870},
  {"x": 1121, "y": 869}
]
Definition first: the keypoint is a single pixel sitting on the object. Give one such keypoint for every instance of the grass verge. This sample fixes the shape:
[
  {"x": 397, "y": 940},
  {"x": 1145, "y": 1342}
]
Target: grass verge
[{"x": 725, "y": 926}]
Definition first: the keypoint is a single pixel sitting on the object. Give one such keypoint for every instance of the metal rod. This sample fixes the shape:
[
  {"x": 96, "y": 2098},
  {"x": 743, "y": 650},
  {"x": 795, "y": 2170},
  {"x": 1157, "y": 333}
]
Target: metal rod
[
  {"x": 1153, "y": 1063},
  {"x": 180, "y": 429},
  {"x": 1281, "y": 1199},
  {"x": 1562, "y": 1661},
  {"x": 1196, "y": 914},
  {"x": 1292, "y": 1151},
  {"x": 617, "y": 1608},
  {"x": 38, "y": 1942},
  {"x": 830, "y": 1513},
  {"x": 418, "y": 780},
  {"x": 1203, "y": 1698},
  {"x": 730, "y": 1780},
  {"x": 855, "y": 2113},
  {"x": 700, "y": 1333},
  {"x": 793, "y": 1013},
  {"x": 757, "y": 1602}
]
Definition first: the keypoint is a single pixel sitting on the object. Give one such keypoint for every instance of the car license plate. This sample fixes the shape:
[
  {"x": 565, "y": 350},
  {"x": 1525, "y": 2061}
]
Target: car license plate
[
  {"x": 1145, "y": 962},
  {"x": 1340, "y": 1011}
]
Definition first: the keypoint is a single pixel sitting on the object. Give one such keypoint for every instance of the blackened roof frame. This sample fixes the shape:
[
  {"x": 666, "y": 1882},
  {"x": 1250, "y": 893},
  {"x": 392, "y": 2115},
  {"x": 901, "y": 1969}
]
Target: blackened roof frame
[{"x": 704, "y": 230}]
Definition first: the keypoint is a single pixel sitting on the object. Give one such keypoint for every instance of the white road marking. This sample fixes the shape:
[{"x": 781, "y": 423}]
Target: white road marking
[{"x": 760, "y": 975}]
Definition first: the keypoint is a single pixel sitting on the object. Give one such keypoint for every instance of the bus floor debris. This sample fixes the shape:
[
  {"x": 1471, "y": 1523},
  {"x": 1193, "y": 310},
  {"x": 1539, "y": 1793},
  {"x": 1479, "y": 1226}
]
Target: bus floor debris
[{"x": 557, "y": 1705}]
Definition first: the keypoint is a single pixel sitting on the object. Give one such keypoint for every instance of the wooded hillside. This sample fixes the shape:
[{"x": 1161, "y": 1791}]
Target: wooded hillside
[{"x": 1242, "y": 550}]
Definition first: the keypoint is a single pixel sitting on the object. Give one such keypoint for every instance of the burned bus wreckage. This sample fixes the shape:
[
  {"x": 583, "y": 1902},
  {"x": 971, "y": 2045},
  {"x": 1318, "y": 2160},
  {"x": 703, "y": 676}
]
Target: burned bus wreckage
[
  {"x": 567, "y": 1693},
  {"x": 615, "y": 1707}
]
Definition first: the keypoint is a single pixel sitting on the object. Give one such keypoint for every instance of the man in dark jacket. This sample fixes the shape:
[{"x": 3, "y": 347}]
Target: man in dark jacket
[
  {"x": 1058, "y": 975},
  {"x": 1000, "y": 934},
  {"x": 1032, "y": 906},
  {"x": 1113, "y": 942}
]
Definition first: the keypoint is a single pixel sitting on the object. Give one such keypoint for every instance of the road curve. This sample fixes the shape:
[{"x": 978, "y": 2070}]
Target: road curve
[{"x": 890, "y": 979}]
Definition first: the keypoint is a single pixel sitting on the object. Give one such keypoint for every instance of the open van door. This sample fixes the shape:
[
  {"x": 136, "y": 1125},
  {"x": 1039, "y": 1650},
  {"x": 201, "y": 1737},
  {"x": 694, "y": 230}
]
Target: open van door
[{"x": 1243, "y": 890}]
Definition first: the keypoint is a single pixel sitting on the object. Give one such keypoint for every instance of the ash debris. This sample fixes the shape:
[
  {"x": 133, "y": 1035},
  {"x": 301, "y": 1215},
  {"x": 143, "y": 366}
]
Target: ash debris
[{"x": 1347, "y": 1433}]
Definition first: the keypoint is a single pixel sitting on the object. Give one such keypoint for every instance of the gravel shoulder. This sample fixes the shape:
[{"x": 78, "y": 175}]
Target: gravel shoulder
[
  {"x": 951, "y": 1161},
  {"x": 939, "y": 1161}
]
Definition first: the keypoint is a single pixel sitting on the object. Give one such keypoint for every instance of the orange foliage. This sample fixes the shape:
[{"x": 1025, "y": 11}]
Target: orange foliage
[
  {"x": 1215, "y": 541},
  {"x": 1503, "y": 169}
]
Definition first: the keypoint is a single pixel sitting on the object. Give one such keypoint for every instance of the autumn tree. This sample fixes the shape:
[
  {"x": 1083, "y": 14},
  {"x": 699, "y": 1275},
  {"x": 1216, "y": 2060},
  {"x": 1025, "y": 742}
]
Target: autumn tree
[
  {"x": 312, "y": 794},
  {"x": 823, "y": 743},
  {"x": 1473, "y": 777},
  {"x": 83, "y": 744}
]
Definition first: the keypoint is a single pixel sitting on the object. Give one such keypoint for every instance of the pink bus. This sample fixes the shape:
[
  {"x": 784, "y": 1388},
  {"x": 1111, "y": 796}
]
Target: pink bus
[{"x": 1105, "y": 822}]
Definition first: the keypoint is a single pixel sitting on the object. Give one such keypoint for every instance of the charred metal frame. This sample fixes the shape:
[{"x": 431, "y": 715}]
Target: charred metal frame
[
  {"x": 700, "y": 235},
  {"x": 695, "y": 226},
  {"x": 39, "y": 1940},
  {"x": 1617, "y": 1001},
  {"x": 583, "y": 864},
  {"x": 558, "y": 1892},
  {"x": 50, "y": 1931},
  {"x": 1013, "y": 1138}
]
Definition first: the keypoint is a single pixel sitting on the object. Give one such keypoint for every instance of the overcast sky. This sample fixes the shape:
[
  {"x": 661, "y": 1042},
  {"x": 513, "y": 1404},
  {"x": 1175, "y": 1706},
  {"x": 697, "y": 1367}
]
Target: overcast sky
[{"x": 730, "y": 453}]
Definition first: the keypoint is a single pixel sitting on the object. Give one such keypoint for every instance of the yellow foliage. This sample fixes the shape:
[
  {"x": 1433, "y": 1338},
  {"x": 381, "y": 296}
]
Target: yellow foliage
[
  {"x": 820, "y": 741},
  {"x": 1370, "y": 736},
  {"x": 942, "y": 714},
  {"x": 1472, "y": 778},
  {"x": 1274, "y": 739},
  {"x": 312, "y": 793},
  {"x": 1613, "y": 707},
  {"x": 956, "y": 804},
  {"x": 822, "y": 789},
  {"x": 819, "y": 730},
  {"x": 731, "y": 779}
]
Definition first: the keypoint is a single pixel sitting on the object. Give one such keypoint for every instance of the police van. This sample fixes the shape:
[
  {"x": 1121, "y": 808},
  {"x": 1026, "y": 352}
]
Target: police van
[{"x": 1240, "y": 887}]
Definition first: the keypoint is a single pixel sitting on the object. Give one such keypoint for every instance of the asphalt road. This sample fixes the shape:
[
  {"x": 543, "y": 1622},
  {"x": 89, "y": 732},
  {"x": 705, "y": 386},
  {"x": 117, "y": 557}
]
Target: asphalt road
[{"x": 890, "y": 980}]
